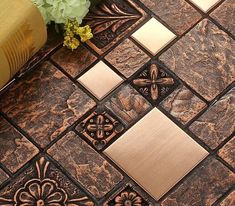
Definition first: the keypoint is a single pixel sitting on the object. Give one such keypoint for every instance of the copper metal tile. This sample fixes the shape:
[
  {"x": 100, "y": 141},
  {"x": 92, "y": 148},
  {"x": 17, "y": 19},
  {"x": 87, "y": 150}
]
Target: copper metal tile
[
  {"x": 205, "y": 5},
  {"x": 100, "y": 80},
  {"x": 153, "y": 36},
  {"x": 156, "y": 153}
]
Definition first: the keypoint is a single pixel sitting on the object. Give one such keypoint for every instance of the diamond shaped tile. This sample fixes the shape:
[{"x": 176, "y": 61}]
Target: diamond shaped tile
[
  {"x": 229, "y": 200},
  {"x": 154, "y": 36},
  {"x": 100, "y": 80},
  {"x": 205, "y": 5},
  {"x": 165, "y": 153},
  {"x": 3, "y": 176}
]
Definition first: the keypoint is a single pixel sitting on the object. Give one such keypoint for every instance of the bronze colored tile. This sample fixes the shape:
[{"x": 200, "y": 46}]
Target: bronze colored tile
[
  {"x": 44, "y": 103},
  {"x": 225, "y": 15},
  {"x": 127, "y": 104},
  {"x": 85, "y": 165},
  {"x": 43, "y": 184},
  {"x": 127, "y": 58},
  {"x": 74, "y": 62},
  {"x": 218, "y": 123},
  {"x": 3, "y": 176},
  {"x": 150, "y": 153},
  {"x": 154, "y": 36},
  {"x": 203, "y": 58},
  {"x": 100, "y": 80},
  {"x": 178, "y": 14},
  {"x": 227, "y": 152},
  {"x": 229, "y": 200},
  {"x": 111, "y": 21},
  {"x": 15, "y": 149},
  {"x": 204, "y": 186},
  {"x": 205, "y": 5},
  {"x": 183, "y": 104}
]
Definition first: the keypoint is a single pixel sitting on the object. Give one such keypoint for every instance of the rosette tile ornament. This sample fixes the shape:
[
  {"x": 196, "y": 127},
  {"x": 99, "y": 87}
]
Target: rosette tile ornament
[{"x": 128, "y": 199}]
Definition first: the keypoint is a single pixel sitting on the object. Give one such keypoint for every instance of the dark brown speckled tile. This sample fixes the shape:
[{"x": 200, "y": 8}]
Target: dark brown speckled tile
[
  {"x": 44, "y": 103},
  {"x": 178, "y": 14},
  {"x": 229, "y": 200},
  {"x": 3, "y": 176},
  {"x": 204, "y": 59},
  {"x": 225, "y": 15},
  {"x": 85, "y": 164},
  {"x": 15, "y": 149},
  {"x": 183, "y": 104},
  {"x": 203, "y": 187},
  {"x": 218, "y": 122},
  {"x": 43, "y": 184}
]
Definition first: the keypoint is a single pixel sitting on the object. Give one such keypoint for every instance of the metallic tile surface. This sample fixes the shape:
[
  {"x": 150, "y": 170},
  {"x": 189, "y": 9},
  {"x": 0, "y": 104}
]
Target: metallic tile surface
[
  {"x": 205, "y": 5},
  {"x": 156, "y": 153}
]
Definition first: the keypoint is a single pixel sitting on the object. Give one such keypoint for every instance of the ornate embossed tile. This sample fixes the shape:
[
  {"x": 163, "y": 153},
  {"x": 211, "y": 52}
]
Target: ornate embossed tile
[
  {"x": 205, "y": 5},
  {"x": 111, "y": 21},
  {"x": 128, "y": 105},
  {"x": 43, "y": 184},
  {"x": 168, "y": 156},
  {"x": 178, "y": 14},
  {"x": 99, "y": 128},
  {"x": 44, "y": 103},
  {"x": 218, "y": 123},
  {"x": 154, "y": 82},
  {"x": 225, "y": 15},
  {"x": 3, "y": 176},
  {"x": 100, "y": 80},
  {"x": 15, "y": 149},
  {"x": 204, "y": 59},
  {"x": 183, "y": 104},
  {"x": 153, "y": 36},
  {"x": 85, "y": 164},
  {"x": 204, "y": 186},
  {"x": 229, "y": 200},
  {"x": 74, "y": 62},
  {"x": 127, "y": 58}
]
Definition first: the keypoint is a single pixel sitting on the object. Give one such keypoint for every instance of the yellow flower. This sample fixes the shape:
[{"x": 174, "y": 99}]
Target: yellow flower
[
  {"x": 71, "y": 42},
  {"x": 84, "y": 33}
]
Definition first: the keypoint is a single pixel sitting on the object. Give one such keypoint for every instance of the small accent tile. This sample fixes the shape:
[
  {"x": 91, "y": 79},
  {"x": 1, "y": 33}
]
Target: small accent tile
[
  {"x": 3, "y": 176},
  {"x": 43, "y": 184},
  {"x": 100, "y": 80},
  {"x": 153, "y": 36},
  {"x": 183, "y": 104},
  {"x": 229, "y": 200},
  {"x": 15, "y": 149},
  {"x": 218, "y": 122},
  {"x": 168, "y": 156},
  {"x": 206, "y": 185},
  {"x": 74, "y": 62},
  {"x": 128, "y": 104},
  {"x": 127, "y": 58},
  {"x": 85, "y": 164},
  {"x": 205, "y": 5},
  {"x": 203, "y": 58}
]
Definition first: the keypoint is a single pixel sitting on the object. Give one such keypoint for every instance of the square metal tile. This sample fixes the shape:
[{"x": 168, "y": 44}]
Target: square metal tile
[
  {"x": 205, "y": 5},
  {"x": 156, "y": 153},
  {"x": 100, "y": 80},
  {"x": 153, "y": 36}
]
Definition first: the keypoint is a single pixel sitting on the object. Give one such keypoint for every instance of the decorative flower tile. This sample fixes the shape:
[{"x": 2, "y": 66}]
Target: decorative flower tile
[{"x": 205, "y": 5}]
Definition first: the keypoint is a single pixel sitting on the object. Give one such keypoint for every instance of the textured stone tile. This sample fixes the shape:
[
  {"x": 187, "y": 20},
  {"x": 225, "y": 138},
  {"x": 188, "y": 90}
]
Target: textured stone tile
[
  {"x": 127, "y": 104},
  {"x": 229, "y": 200},
  {"x": 15, "y": 149},
  {"x": 225, "y": 15},
  {"x": 43, "y": 184},
  {"x": 227, "y": 152},
  {"x": 178, "y": 14},
  {"x": 218, "y": 123},
  {"x": 44, "y": 103},
  {"x": 203, "y": 187},
  {"x": 74, "y": 62},
  {"x": 112, "y": 20},
  {"x": 204, "y": 59},
  {"x": 127, "y": 58},
  {"x": 183, "y": 104},
  {"x": 3, "y": 176},
  {"x": 85, "y": 164}
]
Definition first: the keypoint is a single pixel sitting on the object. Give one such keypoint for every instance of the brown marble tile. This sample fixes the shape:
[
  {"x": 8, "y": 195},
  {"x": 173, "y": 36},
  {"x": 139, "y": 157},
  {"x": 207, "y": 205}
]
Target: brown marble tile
[
  {"x": 229, "y": 200},
  {"x": 183, "y": 104},
  {"x": 127, "y": 104},
  {"x": 218, "y": 122},
  {"x": 43, "y": 184},
  {"x": 203, "y": 58},
  {"x": 112, "y": 20},
  {"x": 227, "y": 152},
  {"x": 225, "y": 15},
  {"x": 127, "y": 58},
  {"x": 178, "y": 14},
  {"x": 74, "y": 62},
  {"x": 3, "y": 176},
  {"x": 44, "y": 103},
  {"x": 203, "y": 187},
  {"x": 15, "y": 149},
  {"x": 85, "y": 164}
]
